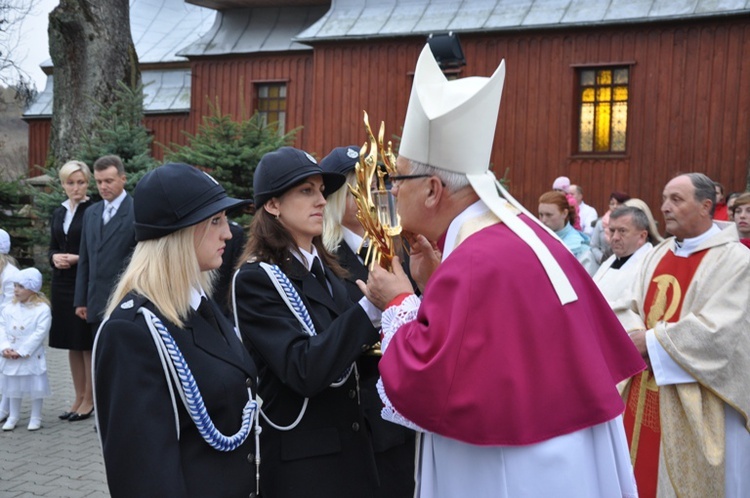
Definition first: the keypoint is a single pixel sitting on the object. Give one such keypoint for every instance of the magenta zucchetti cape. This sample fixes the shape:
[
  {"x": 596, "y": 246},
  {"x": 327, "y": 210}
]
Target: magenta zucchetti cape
[{"x": 493, "y": 358}]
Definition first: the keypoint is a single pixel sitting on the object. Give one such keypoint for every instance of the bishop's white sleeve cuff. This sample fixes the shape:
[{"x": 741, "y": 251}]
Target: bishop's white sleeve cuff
[{"x": 666, "y": 370}]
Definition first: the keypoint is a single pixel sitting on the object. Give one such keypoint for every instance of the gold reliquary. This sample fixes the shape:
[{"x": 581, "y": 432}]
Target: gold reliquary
[{"x": 376, "y": 206}]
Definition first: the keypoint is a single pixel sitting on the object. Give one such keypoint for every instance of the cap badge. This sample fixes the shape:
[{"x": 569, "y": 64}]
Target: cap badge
[
  {"x": 211, "y": 177},
  {"x": 351, "y": 153},
  {"x": 311, "y": 158}
]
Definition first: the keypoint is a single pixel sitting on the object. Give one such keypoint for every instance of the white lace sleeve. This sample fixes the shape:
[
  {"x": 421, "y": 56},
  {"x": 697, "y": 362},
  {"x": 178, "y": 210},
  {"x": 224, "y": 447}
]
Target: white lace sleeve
[{"x": 393, "y": 318}]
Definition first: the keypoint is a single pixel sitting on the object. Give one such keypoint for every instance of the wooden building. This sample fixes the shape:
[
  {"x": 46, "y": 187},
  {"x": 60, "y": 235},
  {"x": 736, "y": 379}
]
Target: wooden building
[{"x": 616, "y": 95}]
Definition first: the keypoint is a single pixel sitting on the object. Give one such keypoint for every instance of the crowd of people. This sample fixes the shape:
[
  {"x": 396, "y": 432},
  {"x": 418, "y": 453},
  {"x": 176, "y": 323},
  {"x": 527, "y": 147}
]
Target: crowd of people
[{"x": 504, "y": 354}]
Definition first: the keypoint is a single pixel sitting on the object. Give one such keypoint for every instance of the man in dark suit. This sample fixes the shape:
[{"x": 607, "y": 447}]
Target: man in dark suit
[{"x": 107, "y": 240}]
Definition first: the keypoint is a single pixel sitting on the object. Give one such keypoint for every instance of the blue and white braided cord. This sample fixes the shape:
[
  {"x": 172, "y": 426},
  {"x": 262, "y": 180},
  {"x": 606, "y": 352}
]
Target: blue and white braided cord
[
  {"x": 193, "y": 400},
  {"x": 300, "y": 310},
  {"x": 295, "y": 300}
]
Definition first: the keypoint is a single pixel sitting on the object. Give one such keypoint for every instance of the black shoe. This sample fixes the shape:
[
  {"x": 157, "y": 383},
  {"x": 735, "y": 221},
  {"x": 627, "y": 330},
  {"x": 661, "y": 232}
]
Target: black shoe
[
  {"x": 80, "y": 416},
  {"x": 65, "y": 415}
]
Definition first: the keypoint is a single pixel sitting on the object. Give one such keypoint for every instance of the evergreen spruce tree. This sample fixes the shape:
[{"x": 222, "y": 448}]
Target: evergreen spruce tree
[
  {"x": 230, "y": 150},
  {"x": 17, "y": 219},
  {"x": 119, "y": 130}
]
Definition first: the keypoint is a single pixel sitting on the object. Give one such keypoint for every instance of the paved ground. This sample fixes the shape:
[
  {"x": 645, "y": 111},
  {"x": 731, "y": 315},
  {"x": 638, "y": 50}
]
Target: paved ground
[{"x": 63, "y": 458}]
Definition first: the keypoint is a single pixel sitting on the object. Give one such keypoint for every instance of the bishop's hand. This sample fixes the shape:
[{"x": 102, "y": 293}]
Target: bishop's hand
[
  {"x": 424, "y": 258},
  {"x": 383, "y": 286}
]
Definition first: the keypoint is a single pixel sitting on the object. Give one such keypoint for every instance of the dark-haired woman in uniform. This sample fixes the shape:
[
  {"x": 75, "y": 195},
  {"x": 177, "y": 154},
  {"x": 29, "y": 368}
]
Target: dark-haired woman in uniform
[{"x": 305, "y": 336}]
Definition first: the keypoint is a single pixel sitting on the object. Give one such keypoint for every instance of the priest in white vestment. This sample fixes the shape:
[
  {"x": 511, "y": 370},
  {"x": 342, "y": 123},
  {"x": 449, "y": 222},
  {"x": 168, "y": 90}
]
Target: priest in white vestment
[
  {"x": 630, "y": 241},
  {"x": 687, "y": 417}
]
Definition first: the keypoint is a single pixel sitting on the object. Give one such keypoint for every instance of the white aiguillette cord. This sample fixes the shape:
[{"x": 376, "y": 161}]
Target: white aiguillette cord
[{"x": 490, "y": 191}]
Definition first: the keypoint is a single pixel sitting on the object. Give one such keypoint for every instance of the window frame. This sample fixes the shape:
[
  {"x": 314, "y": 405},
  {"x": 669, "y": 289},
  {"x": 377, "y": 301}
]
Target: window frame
[
  {"x": 282, "y": 83},
  {"x": 578, "y": 104}
]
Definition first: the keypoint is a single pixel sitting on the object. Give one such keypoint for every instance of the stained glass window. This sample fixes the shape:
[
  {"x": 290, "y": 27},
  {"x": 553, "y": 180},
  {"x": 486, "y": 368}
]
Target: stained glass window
[
  {"x": 603, "y": 113},
  {"x": 272, "y": 104}
]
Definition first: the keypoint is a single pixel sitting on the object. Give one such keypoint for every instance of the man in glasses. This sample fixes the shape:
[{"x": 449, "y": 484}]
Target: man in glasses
[{"x": 508, "y": 364}]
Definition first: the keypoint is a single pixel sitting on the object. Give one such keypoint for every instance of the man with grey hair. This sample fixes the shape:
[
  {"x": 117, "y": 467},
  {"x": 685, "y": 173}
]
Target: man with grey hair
[
  {"x": 493, "y": 366},
  {"x": 688, "y": 314},
  {"x": 628, "y": 229}
]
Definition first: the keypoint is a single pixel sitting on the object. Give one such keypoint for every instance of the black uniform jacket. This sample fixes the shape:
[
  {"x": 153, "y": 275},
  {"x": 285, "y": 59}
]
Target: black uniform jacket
[
  {"x": 329, "y": 452},
  {"x": 69, "y": 243},
  {"x": 394, "y": 445},
  {"x": 142, "y": 454}
]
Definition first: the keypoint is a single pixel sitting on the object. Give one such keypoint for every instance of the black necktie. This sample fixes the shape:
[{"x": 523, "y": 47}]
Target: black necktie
[
  {"x": 319, "y": 274},
  {"x": 207, "y": 313},
  {"x": 363, "y": 253}
]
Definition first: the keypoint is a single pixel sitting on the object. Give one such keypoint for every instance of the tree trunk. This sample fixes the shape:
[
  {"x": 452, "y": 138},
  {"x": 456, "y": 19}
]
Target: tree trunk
[{"x": 91, "y": 49}]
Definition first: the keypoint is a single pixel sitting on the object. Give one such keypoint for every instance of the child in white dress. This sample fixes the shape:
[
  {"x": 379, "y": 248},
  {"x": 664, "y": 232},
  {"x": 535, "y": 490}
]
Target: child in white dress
[
  {"x": 24, "y": 325},
  {"x": 8, "y": 268}
]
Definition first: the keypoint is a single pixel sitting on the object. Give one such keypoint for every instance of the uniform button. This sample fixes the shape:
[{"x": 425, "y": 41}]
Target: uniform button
[
  {"x": 248, "y": 382},
  {"x": 250, "y": 458},
  {"x": 355, "y": 426},
  {"x": 352, "y": 394},
  {"x": 365, "y": 347}
]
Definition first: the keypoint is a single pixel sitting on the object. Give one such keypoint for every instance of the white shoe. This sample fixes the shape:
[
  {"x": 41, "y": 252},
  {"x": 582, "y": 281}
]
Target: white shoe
[
  {"x": 3, "y": 416},
  {"x": 34, "y": 424},
  {"x": 10, "y": 424}
]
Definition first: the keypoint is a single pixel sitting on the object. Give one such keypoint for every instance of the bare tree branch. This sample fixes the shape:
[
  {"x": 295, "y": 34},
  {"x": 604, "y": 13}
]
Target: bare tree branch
[{"x": 12, "y": 15}]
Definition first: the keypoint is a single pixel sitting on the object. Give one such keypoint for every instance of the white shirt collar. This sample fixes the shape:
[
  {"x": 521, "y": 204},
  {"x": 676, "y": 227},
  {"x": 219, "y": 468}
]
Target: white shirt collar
[
  {"x": 353, "y": 240},
  {"x": 66, "y": 205},
  {"x": 688, "y": 246},
  {"x": 476, "y": 209},
  {"x": 304, "y": 257},
  {"x": 195, "y": 297},
  {"x": 116, "y": 203}
]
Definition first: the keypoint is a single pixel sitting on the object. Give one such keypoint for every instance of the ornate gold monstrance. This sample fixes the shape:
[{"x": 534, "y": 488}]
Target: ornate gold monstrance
[{"x": 376, "y": 206}]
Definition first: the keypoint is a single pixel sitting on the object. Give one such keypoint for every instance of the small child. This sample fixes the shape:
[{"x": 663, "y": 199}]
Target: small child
[
  {"x": 24, "y": 325},
  {"x": 8, "y": 268}
]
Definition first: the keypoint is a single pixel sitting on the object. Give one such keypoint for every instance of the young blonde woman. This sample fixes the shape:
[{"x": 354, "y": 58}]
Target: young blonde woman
[
  {"x": 394, "y": 444},
  {"x": 69, "y": 331},
  {"x": 173, "y": 384}
]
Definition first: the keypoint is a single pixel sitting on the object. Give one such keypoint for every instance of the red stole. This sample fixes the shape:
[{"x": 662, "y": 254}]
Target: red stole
[{"x": 663, "y": 303}]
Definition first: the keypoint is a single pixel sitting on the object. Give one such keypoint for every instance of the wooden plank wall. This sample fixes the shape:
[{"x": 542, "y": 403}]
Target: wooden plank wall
[
  {"x": 165, "y": 128},
  {"x": 232, "y": 81},
  {"x": 39, "y": 130},
  {"x": 689, "y": 108},
  {"x": 689, "y": 111}
]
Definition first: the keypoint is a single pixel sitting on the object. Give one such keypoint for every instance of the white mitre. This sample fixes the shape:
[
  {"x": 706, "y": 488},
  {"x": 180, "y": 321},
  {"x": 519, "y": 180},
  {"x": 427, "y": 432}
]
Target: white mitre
[{"x": 450, "y": 125}]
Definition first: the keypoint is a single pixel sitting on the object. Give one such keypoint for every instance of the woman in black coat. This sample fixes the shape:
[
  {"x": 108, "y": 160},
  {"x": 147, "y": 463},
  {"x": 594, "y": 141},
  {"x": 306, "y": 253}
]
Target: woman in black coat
[
  {"x": 305, "y": 336},
  {"x": 67, "y": 330},
  {"x": 187, "y": 432}
]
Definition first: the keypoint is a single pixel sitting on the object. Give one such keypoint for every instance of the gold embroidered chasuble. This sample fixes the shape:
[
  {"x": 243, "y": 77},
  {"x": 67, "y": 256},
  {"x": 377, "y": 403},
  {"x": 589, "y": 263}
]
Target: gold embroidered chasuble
[{"x": 711, "y": 342}]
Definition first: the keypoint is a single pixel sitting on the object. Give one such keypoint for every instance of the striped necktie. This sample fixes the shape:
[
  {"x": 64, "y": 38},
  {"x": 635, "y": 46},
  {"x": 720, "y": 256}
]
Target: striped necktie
[{"x": 108, "y": 213}]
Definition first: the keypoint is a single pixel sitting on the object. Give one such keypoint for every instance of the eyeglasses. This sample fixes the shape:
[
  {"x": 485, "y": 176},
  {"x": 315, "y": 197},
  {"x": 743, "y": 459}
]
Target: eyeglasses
[{"x": 397, "y": 179}]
